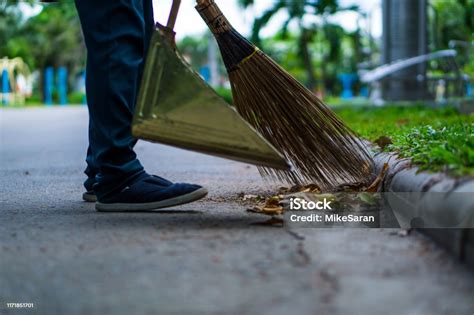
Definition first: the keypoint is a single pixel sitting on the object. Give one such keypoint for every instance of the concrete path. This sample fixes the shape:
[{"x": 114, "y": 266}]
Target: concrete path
[{"x": 205, "y": 258}]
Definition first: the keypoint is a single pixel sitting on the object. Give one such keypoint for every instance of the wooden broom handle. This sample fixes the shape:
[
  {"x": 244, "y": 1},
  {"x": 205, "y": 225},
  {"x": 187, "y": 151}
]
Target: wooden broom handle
[
  {"x": 204, "y": 2},
  {"x": 212, "y": 15},
  {"x": 201, "y": 2},
  {"x": 173, "y": 14}
]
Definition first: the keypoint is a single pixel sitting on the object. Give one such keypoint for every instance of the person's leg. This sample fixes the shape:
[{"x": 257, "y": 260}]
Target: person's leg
[
  {"x": 117, "y": 34},
  {"x": 114, "y": 32},
  {"x": 92, "y": 169}
]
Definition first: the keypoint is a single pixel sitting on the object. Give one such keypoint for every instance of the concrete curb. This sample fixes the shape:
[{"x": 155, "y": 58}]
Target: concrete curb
[{"x": 403, "y": 177}]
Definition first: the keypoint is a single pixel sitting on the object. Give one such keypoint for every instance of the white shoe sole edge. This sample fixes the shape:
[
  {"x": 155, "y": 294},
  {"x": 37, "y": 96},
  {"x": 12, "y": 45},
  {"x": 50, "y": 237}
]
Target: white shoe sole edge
[
  {"x": 89, "y": 197},
  {"x": 130, "y": 207}
]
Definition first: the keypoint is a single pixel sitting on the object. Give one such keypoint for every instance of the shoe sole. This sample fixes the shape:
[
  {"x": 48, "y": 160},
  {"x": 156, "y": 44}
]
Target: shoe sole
[
  {"x": 89, "y": 197},
  {"x": 130, "y": 207}
]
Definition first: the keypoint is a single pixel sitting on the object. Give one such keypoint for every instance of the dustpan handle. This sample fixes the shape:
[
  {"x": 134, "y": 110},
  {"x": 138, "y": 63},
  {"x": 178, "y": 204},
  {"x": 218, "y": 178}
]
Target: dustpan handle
[{"x": 173, "y": 14}]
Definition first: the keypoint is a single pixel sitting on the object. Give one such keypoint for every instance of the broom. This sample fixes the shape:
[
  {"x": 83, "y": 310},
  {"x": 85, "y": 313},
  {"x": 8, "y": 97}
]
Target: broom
[{"x": 321, "y": 148}]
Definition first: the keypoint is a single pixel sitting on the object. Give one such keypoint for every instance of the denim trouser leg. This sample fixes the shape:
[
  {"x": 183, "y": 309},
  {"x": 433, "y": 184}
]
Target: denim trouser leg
[
  {"x": 116, "y": 35},
  {"x": 91, "y": 171}
]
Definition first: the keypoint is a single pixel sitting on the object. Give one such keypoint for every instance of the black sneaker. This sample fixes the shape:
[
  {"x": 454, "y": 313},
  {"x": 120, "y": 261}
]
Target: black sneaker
[
  {"x": 150, "y": 193},
  {"x": 89, "y": 196}
]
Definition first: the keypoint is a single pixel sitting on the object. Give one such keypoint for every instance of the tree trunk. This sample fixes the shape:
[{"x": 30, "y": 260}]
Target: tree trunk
[{"x": 305, "y": 40}]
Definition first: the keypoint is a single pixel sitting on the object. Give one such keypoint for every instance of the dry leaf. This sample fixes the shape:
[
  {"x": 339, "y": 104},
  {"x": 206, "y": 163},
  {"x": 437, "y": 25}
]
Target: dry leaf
[
  {"x": 273, "y": 210},
  {"x": 270, "y": 207},
  {"x": 249, "y": 197},
  {"x": 296, "y": 188},
  {"x": 283, "y": 190},
  {"x": 375, "y": 185},
  {"x": 383, "y": 141},
  {"x": 313, "y": 188},
  {"x": 403, "y": 122},
  {"x": 272, "y": 201},
  {"x": 267, "y": 210},
  {"x": 354, "y": 187},
  {"x": 256, "y": 209}
]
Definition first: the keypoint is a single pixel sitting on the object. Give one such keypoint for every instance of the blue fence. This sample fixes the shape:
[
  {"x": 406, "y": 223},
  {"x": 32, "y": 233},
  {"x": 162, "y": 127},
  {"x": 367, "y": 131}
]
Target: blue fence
[
  {"x": 48, "y": 85},
  {"x": 62, "y": 85},
  {"x": 5, "y": 87}
]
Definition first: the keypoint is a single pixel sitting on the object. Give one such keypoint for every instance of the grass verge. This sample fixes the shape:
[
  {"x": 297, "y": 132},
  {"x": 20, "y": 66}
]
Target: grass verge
[{"x": 435, "y": 139}]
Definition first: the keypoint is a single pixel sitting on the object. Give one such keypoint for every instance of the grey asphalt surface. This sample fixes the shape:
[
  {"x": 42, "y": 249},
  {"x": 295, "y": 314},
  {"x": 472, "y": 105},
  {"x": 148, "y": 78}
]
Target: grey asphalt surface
[{"x": 205, "y": 258}]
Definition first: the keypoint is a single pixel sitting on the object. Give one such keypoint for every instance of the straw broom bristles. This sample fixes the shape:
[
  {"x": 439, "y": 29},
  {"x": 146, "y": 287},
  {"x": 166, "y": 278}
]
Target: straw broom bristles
[{"x": 322, "y": 149}]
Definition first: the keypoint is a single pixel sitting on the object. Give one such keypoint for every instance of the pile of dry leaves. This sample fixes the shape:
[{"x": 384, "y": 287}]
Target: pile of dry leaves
[{"x": 275, "y": 205}]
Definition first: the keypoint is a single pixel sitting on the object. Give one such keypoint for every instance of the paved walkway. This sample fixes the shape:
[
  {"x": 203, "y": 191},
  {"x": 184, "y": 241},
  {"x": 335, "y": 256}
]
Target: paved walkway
[{"x": 205, "y": 258}]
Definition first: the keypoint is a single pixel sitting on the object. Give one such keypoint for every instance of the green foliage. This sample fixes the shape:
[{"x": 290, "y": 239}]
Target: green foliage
[
  {"x": 448, "y": 148},
  {"x": 51, "y": 38},
  {"x": 195, "y": 50},
  {"x": 334, "y": 35},
  {"x": 284, "y": 50},
  {"x": 436, "y": 139},
  {"x": 11, "y": 21},
  {"x": 34, "y": 100},
  {"x": 76, "y": 98},
  {"x": 455, "y": 20},
  {"x": 225, "y": 94},
  {"x": 329, "y": 37},
  {"x": 55, "y": 37}
]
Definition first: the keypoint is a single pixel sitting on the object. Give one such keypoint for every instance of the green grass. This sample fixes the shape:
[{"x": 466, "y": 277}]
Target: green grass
[
  {"x": 436, "y": 139},
  {"x": 74, "y": 98},
  {"x": 225, "y": 94}
]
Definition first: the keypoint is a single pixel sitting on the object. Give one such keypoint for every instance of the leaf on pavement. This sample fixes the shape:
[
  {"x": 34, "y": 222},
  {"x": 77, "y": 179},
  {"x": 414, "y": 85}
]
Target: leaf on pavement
[
  {"x": 270, "y": 207},
  {"x": 311, "y": 188},
  {"x": 249, "y": 197}
]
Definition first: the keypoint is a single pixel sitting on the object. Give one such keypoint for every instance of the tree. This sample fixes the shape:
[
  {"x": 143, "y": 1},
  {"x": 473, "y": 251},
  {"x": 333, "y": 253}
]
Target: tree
[
  {"x": 297, "y": 10},
  {"x": 51, "y": 38},
  {"x": 195, "y": 50},
  {"x": 468, "y": 6},
  {"x": 454, "y": 20},
  {"x": 55, "y": 37},
  {"x": 11, "y": 22}
]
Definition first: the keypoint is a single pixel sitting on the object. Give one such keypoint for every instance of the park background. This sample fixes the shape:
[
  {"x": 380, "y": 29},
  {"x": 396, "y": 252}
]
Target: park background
[
  {"x": 322, "y": 43},
  {"x": 399, "y": 72}
]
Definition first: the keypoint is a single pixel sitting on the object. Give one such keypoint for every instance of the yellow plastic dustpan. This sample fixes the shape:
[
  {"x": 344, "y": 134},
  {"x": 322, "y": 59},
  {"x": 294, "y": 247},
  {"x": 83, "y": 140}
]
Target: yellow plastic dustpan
[{"x": 176, "y": 107}]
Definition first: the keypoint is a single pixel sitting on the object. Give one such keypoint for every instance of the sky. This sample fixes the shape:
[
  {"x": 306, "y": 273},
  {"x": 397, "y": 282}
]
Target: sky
[{"x": 189, "y": 22}]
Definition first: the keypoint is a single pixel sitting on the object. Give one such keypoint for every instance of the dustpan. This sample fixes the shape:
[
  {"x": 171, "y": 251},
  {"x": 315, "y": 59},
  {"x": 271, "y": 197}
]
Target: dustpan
[{"x": 176, "y": 107}]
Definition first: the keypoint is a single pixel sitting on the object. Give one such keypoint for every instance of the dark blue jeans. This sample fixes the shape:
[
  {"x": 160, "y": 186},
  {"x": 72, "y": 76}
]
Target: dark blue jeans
[{"x": 117, "y": 33}]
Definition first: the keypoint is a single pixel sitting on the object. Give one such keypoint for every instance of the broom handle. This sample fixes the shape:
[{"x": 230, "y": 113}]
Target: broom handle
[
  {"x": 213, "y": 16},
  {"x": 173, "y": 14}
]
